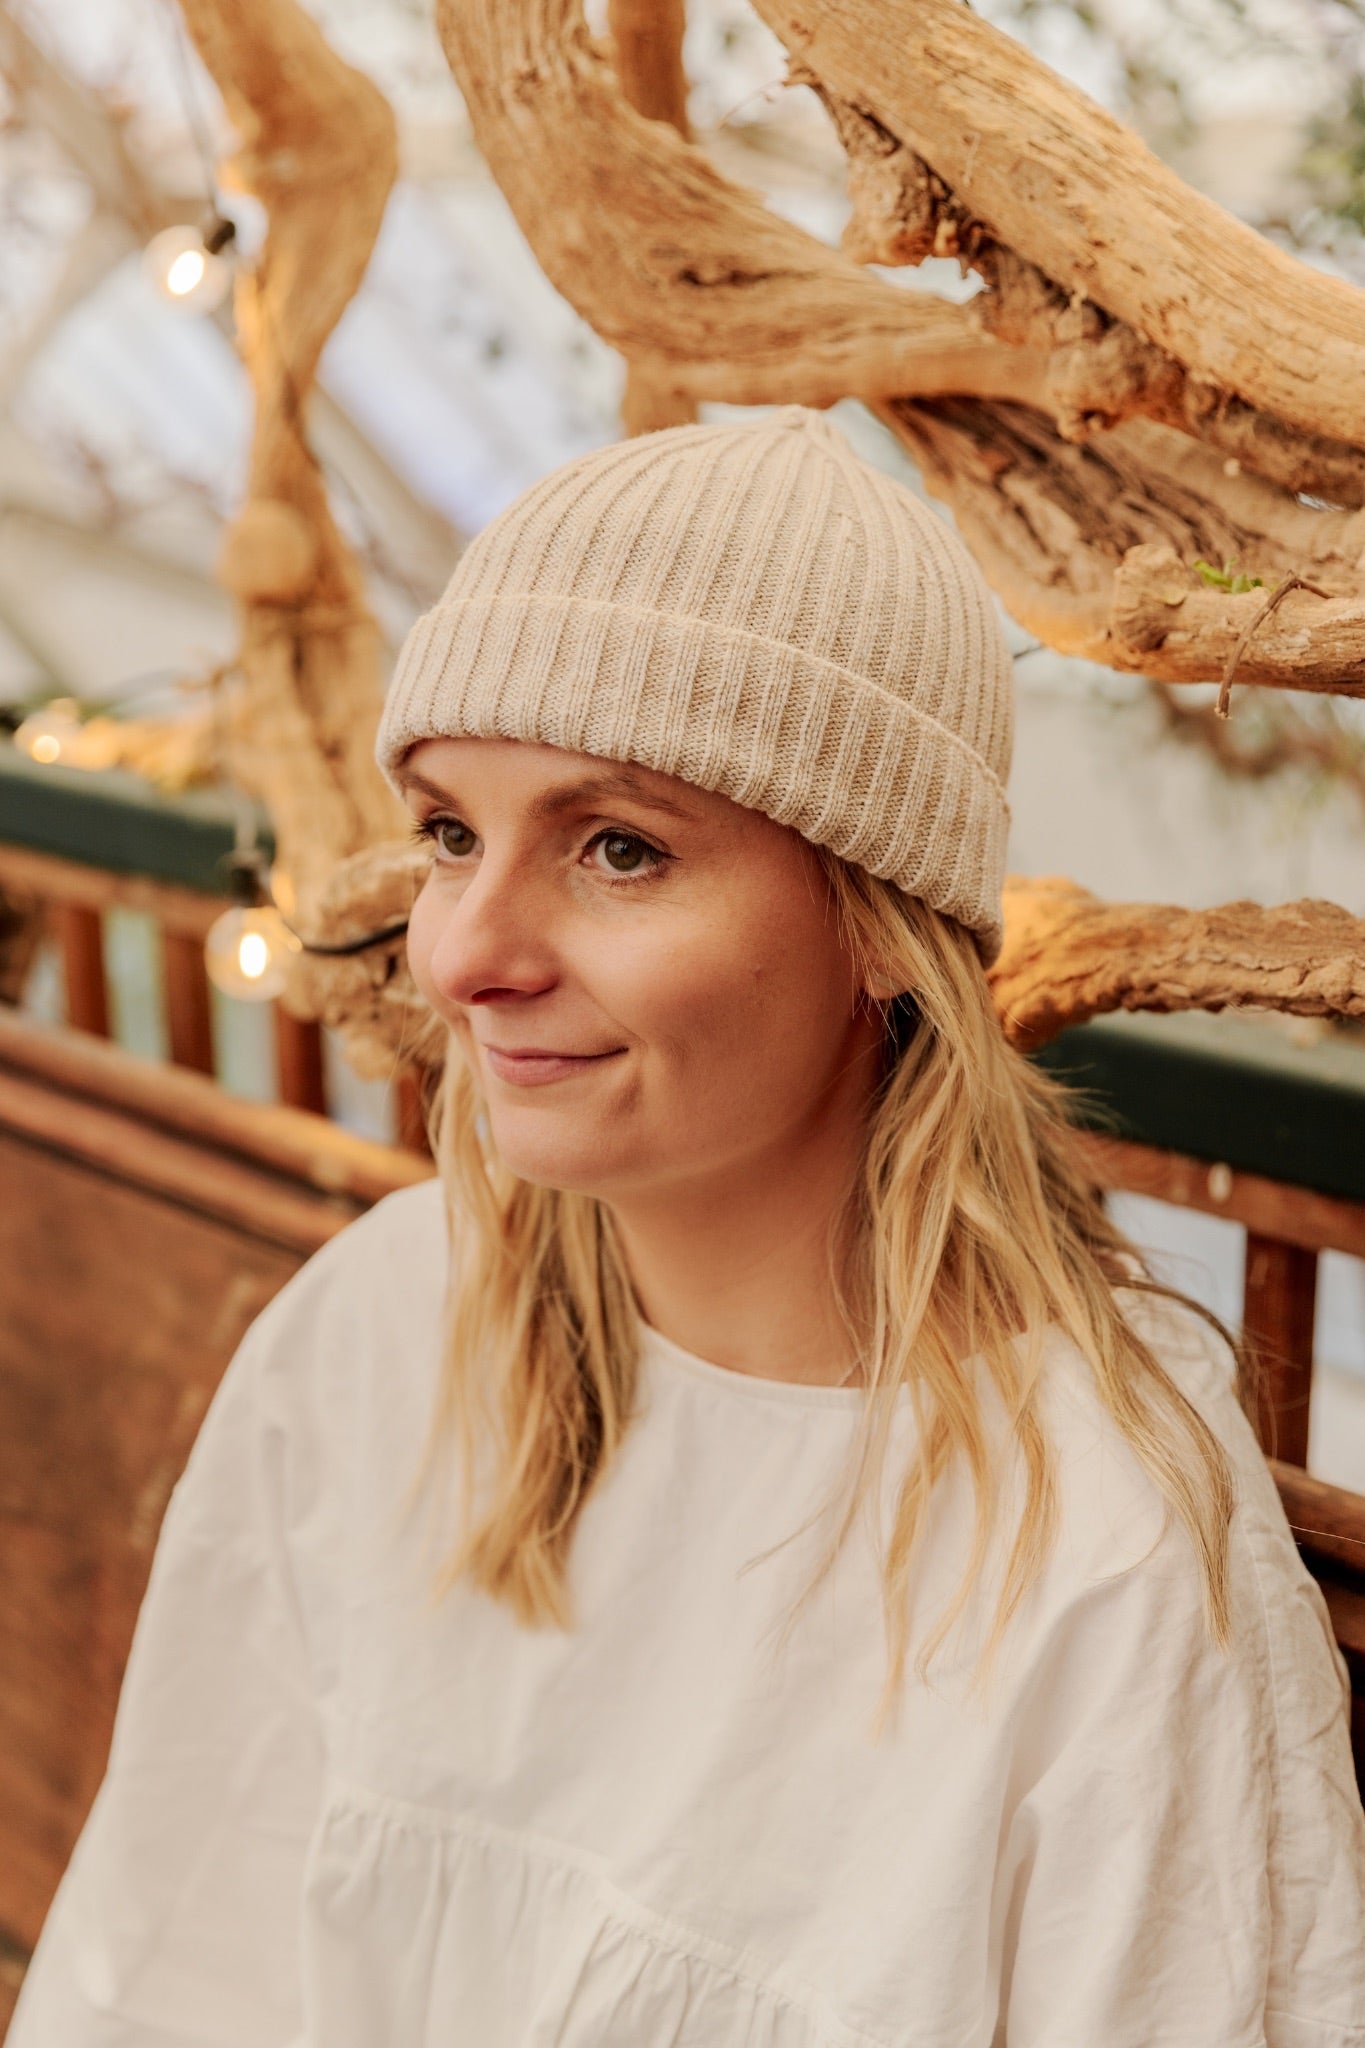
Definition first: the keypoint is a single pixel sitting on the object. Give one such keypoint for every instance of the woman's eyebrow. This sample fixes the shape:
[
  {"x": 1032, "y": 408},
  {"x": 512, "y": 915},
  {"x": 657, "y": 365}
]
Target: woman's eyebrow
[
  {"x": 598, "y": 789},
  {"x": 409, "y": 779},
  {"x": 585, "y": 792}
]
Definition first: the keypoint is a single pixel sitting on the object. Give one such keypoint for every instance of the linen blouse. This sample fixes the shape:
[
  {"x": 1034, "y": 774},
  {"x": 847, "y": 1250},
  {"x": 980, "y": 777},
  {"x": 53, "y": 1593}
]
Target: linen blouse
[{"x": 342, "y": 1813}]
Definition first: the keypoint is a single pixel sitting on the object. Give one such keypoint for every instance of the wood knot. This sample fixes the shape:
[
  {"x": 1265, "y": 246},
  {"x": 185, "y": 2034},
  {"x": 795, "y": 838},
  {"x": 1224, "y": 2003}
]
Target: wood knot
[{"x": 269, "y": 555}]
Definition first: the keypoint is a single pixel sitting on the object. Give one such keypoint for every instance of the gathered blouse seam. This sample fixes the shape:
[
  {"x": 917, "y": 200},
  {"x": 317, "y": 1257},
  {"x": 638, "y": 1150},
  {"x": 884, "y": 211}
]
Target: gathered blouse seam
[{"x": 663, "y": 1933}]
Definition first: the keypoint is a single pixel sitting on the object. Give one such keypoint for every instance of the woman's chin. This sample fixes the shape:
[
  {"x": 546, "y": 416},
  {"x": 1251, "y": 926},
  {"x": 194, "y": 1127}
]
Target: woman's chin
[{"x": 573, "y": 1163}]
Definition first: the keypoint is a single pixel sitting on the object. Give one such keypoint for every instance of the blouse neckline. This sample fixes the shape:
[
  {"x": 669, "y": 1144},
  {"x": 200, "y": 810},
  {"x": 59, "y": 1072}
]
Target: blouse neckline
[{"x": 661, "y": 1353}]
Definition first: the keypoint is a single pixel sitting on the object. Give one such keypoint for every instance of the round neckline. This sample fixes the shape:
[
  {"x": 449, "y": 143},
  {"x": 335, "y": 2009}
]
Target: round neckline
[{"x": 658, "y": 1350}]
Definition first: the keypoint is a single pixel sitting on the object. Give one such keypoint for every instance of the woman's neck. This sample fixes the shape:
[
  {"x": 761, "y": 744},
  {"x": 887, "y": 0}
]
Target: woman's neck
[{"x": 742, "y": 1270}]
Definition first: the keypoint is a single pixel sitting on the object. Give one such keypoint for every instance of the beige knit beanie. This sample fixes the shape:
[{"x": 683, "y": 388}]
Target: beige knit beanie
[{"x": 755, "y": 610}]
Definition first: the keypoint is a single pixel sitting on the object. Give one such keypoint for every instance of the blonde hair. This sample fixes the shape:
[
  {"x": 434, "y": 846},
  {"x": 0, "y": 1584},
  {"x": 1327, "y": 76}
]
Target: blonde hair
[{"x": 972, "y": 1226}]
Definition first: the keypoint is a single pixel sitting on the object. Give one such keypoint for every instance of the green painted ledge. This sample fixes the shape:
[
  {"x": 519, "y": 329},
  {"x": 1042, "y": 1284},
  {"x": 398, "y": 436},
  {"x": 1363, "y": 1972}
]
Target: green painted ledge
[
  {"x": 115, "y": 820},
  {"x": 1231, "y": 1088}
]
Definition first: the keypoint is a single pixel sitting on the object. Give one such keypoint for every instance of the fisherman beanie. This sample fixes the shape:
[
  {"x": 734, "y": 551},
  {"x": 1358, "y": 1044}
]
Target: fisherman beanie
[{"x": 753, "y": 609}]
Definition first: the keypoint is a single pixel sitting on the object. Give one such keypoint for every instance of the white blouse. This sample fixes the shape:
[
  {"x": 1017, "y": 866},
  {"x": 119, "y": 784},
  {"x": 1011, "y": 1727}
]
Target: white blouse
[{"x": 341, "y": 1814}]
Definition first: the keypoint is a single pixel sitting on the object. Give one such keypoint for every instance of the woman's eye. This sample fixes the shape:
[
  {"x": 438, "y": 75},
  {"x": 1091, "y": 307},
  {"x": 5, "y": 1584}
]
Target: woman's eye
[
  {"x": 624, "y": 854},
  {"x": 452, "y": 838}
]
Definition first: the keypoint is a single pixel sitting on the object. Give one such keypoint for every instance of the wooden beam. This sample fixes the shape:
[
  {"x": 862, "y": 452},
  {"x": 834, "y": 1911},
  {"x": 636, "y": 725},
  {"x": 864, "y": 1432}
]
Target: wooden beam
[
  {"x": 69, "y": 884},
  {"x": 1293, "y": 1215},
  {"x": 1328, "y": 1521},
  {"x": 173, "y": 1101},
  {"x": 189, "y": 1175},
  {"x": 410, "y": 1112}
]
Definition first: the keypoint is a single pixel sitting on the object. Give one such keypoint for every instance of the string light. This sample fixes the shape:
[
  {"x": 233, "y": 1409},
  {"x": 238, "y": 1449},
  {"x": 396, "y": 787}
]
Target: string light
[
  {"x": 188, "y": 265},
  {"x": 250, "y": 949},
  {"x": 52, "y": 732}
]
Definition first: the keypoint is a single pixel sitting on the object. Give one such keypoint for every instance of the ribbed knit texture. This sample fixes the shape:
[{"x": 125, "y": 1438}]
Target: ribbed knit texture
[{"x": 755, "y": 610}]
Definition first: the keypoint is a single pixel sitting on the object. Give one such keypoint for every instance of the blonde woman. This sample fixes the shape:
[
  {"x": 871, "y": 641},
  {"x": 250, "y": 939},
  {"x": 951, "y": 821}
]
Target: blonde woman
[{"x": 746, "y": 1560}]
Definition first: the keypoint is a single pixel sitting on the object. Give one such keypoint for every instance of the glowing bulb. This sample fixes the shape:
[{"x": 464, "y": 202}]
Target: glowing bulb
[
  {"x": 185, "y": 271},
  {"x": 253, "y": 955},
  {"x": 248, "y": 953},
  {"x": 52, "y": 733}
]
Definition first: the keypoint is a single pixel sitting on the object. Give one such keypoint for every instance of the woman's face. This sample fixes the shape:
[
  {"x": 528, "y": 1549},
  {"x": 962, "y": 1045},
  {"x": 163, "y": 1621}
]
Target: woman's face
[{"x": 649, "y": 979}]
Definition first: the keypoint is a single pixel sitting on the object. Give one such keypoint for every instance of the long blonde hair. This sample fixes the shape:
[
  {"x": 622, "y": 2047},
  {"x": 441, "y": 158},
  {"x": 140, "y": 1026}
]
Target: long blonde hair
[{"x": 972, "y": 1224}]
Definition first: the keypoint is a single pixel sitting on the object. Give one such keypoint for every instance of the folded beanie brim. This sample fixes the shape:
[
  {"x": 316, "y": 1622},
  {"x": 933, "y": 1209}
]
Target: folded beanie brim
[{"x": 761, "y": 721}]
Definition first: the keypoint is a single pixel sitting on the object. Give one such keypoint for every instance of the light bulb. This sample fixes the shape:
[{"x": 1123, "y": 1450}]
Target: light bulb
[
  {"x": 51, "y": 733},
  {"x": 248, "y": 953},
  {"x": 185, "y": 271}
]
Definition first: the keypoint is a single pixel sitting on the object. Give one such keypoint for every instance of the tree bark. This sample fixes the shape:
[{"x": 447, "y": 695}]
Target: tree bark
[
  {"x": 1093, "y": 438},
  {"x": 318, "y": 148},
  {"x": 1069, "y": 189},
  {"x": 1068, "y": 957},
  {"x": 647, "y": 39}
]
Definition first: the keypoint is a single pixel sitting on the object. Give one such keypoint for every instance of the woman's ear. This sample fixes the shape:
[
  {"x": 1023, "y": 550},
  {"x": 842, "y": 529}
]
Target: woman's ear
[{"x": 881, "y": 988}]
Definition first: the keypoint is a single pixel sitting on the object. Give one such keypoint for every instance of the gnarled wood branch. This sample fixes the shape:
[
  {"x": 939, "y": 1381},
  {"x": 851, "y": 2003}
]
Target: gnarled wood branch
[
  {"x": 1091, "y": 543},
  {"x": 1067, "y": 956},
  {"x": 1098, "y": 370},
  {"x": 671, "y": 262},
  {"x": 646, "y": 40},
  {"x": 1075, "y": 193},
  {"x": 1092, "y": 546},
  {"x": 318, "y": 148},
  {"x": 371, "y": 997}
]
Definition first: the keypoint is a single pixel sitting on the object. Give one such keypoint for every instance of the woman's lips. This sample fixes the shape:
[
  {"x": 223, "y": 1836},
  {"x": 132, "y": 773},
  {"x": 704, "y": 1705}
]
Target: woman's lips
[{"x": 532, "y": 1067}]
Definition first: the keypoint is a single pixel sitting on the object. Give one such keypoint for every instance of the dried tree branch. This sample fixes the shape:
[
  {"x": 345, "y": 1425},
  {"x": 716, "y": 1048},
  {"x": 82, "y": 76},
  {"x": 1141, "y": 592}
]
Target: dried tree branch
[
  {"x": 647, "y": 39},
  {"x": 1072, "y": 191},
  {"x": 671, "y": 262},
  {"x": 1098, "y": 371},
  {"x": 1252, "y": 627},
  {"x": 1067, "y": 956},
  {"x": 1090, "y": 541},
  {"x": 1092, "y": 546},
  {"x": 318, "y": 148},
  {"x": 371, "y": 997}
]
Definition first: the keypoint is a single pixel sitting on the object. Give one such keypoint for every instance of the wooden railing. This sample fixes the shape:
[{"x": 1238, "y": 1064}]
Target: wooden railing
[
  {"x": 166, "y": 863},
  {"x": 146, "y": 1217},
  {"x": 1249, "y": 1100},
  {"x": 1286, "y": 1229},
  {"x": 76, "y": 899}
]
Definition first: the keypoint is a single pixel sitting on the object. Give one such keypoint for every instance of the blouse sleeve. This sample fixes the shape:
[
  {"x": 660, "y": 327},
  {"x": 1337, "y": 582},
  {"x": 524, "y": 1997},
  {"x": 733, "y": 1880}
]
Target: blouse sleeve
[
  {"x": 1186, "y": 1863},
  {"x": 177, "y": 1920}
]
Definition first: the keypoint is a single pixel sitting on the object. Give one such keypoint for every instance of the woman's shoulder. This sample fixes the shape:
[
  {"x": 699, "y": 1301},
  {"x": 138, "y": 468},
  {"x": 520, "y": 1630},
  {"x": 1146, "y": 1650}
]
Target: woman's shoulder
[
  {"x": 1116, "y": 1526},
  {"x": 382, "y": 1275},
  {"x": 352, "y": 1339}
]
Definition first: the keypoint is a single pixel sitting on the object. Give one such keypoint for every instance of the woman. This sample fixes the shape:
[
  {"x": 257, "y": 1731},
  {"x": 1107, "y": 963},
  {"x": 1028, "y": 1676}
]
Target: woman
[{"x": 756, "y": 1563}]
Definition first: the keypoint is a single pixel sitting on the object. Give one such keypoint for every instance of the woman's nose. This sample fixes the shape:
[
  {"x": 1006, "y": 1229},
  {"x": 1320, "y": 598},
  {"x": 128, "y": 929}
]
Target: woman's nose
[{"x": 492, "y": 940}]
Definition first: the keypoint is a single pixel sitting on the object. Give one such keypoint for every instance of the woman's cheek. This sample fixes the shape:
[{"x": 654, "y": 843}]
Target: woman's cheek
[{"x": 423, "y": 928}]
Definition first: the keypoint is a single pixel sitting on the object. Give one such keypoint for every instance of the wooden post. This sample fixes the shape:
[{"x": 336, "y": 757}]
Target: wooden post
[
  {"x": 300, "y": 1080},
  {"x": 1278, "y": 1303},
  {"x": 189, "y": 1012},
  {"x": 80, "y": 935}
]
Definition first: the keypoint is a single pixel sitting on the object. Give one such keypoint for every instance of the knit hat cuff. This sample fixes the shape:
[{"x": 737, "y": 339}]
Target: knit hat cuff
[{"x": 757, "y": 720}]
